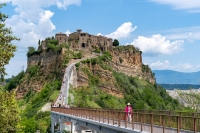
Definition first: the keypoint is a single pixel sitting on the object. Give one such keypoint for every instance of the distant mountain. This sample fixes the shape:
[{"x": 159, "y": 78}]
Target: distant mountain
[
  {"x": 179, "y": 86},
  {"x": 174, "y": 77}
]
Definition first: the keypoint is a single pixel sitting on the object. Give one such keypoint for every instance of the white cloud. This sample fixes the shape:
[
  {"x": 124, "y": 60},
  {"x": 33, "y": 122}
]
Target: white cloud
[
  {"x": 65, "y": 3},
  {"x": 184, "y": 66},
  {"x": 98, "y": 34},
  {"x": 188, "y": 33},
  {"x": 157, "y": 45},
  {"x": 123, "y": 31},
  {"x": 166, "y": 65},
  {"x": 31, "y": 22},
  {"x": 159, "y": 64},
  {"x": 189, "y": 5},
  {"x": 67, "y": 32}
]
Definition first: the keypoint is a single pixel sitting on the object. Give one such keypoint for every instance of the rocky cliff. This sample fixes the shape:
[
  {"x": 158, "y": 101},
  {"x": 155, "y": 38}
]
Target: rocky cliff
[
  {"x": 48, "y": 66},
  {"x": 128, "y": 60},
  {"x": 41, "y": 68},
  {"x": 125, "y": 59}
]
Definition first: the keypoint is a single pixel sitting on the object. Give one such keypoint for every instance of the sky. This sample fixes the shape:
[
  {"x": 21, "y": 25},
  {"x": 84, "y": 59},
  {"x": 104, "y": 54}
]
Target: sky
[{"x": 166, "y": 31}]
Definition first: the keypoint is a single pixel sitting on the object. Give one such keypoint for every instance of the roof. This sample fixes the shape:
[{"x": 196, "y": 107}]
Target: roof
[{"x": 61, "y": 33}]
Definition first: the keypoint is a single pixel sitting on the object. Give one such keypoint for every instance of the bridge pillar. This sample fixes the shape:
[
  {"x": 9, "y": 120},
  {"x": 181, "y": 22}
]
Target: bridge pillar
[
  {"x": 61, "y": 123},
  {"x": 52, "y": 124},
  {"x": 94, "y": 131},
  {"x": 73, "y": 127}
]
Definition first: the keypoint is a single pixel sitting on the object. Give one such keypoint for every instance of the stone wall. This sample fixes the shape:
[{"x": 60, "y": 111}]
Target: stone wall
[{"x": 44, "y": 59}]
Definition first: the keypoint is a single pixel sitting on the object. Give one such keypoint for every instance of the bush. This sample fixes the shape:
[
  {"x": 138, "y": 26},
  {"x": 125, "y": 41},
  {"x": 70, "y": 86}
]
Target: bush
[
  {"x": 77, "y": 55},
  {"x": 30, "y": 125},
  {"x": 14, "y": 81},
  {"x": 32, "y": 70},
  {"x": 31, "y": 50},
  {"x": 116, "y": 42},
  {"x": 77, "y": 65},
  {"x": 94, "y": 61},
  {"x": 41, "y": 115},
  {"x": 53, "y": 41},
  {"x": 54, "y": 47},
  {"x": 51, "y": 46},
  {"x": 97, "y": 51}
]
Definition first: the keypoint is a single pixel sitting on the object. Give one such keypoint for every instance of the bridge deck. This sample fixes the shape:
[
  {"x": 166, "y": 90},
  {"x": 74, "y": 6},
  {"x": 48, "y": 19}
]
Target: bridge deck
[{"x": 146, "y": 122}]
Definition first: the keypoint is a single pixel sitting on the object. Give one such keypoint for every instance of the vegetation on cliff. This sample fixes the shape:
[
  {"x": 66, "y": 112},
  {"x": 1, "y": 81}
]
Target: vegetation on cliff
[
  {"x": 140, "y": 93},
  {"x": 32, "y": 117},
  {"x": 144, "y": 95}
]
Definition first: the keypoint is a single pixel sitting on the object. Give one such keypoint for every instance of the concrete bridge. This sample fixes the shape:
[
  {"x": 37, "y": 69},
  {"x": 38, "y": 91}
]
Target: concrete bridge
[{"x": 113, "y": 120}]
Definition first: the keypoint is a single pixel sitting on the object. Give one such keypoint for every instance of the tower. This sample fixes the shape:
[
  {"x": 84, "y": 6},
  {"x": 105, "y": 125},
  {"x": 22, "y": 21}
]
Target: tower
[{"x": 79, "y": 30}]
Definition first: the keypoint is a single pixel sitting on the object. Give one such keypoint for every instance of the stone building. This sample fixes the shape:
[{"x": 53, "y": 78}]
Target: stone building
[
  {"x": 62, "y": 38},
  {"x": 84, "y": 41}
]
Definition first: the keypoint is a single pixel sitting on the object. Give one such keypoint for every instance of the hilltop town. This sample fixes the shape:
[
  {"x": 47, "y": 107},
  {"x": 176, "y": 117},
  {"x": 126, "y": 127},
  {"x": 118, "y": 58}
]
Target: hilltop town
[{"x": 81, "y": 40}]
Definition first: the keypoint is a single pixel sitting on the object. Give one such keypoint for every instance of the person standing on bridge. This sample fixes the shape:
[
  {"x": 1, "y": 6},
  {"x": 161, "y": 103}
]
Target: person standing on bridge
[{"x": 128, "y": 111}]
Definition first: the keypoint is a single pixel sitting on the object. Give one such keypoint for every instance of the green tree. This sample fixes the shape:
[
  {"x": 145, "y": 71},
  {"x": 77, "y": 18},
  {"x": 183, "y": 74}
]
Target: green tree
[
  {"x": 31, "y": 50},
  {"x": 39, "y": 43},
  {"x": 9, "y": 115},
  {"x": 7, "y": 49},
  {"x": 116, "y": 42}
]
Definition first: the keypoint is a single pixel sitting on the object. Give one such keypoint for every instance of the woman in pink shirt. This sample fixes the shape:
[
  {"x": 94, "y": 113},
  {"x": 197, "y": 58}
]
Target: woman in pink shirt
[{"x": 128, "y": 111}]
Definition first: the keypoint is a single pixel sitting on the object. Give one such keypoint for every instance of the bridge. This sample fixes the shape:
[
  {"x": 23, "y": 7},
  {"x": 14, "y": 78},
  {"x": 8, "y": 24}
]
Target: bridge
[{"x": 114, "y": 120}]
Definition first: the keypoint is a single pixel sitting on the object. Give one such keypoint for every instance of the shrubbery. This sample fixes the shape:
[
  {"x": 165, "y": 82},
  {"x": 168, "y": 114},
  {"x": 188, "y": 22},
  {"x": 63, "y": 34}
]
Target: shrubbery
[
  {"x": 32, "y": 70},
  {"x": 143, "y": 95},
  {"x": 14, "y": 81},
  {"x": 32, "y": 51},
  {"x": 77, "y": 55},
  {"x": 55, "y": 48},
  {"x": 97, "y": 51},
  {"x": 33, "y": 119},
  {"x": 41, "y": 98},
  {"x": 92, "y": 97}
]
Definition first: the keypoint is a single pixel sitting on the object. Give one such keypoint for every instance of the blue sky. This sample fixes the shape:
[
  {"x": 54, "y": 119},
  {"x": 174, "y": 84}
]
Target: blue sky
[{"x": 166, "y": 31}]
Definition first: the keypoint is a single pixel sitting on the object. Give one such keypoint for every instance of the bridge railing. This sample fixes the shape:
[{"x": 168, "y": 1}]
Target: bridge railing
[{"x": 143, "y": 120}]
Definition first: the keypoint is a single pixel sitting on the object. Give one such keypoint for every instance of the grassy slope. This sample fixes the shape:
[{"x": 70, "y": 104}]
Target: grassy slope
[{"x": 32, "y": 118}]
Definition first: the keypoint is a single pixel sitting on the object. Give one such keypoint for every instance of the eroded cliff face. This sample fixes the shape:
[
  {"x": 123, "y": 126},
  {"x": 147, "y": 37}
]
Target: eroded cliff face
[
  {"x": 128, "y": 60},
  {"x": 88, "y": 74},
  {"x": 41, "y": 69},
  {"x": 48, "y": 66},
  {"x": 125, "y": 59}
]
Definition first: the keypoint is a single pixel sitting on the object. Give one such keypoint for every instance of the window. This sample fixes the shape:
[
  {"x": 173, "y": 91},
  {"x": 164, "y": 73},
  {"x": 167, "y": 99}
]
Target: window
[{"x": 83, "y": 45}]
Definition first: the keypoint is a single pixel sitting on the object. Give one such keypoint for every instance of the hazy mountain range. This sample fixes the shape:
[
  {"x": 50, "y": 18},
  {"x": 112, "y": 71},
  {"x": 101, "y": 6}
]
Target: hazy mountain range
[{"x": 174, "y": 77}]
